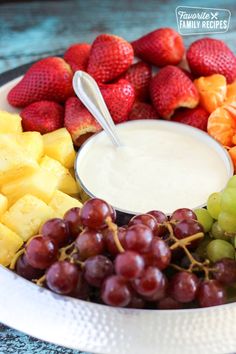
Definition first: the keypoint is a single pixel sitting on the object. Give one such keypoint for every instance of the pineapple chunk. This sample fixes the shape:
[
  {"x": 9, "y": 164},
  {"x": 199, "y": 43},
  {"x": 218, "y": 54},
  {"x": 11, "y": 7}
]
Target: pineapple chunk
[
  {"x": 41, "y": 184},
  {"x": 14, "y": 162},
  {"x": 59, "y": 146},
  {"x": 10, "y": 122},
  {"x": 32, "y": 143},
  {"x": 27, "y": 215},
  {"x": 66, "y": 182},
  {"x": 3, "y": 204},
  {"x": 62, "y": 202},
  {"x": 10, "y": 243},
  {"x": 72, "y": 172}
]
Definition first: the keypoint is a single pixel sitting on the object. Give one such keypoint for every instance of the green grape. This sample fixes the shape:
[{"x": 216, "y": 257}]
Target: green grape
[
  {"x": 213, "y": 205},
  {"x": 204, "y": 218},
  {"x": 228, "y": 200},
  {"x": 227, "y": 221},
  {"x": 233, "y": 241},
  {"x": 218, "y": 249},
  {"x": 218, "y": 233},
  {"x": 201, "y": 249},
  {"x": 232, "y": 182}
]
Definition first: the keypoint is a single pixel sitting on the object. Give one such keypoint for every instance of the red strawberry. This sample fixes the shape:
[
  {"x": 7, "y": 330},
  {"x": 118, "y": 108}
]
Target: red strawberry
[
  {"x": 142, "y": 110},
  {"x": 110, "y": 56},
  {"x": 196, "y": 117},
  {"x": 77, "y": 56},
  {"x": 209, "y": 56},
  {"x": 170, "y": 89},
  {"x": 42, "y": 116},
  {"x": 139, "y": 75},
  {"x": 48, "y": 79},
  {"x": 119, "y": 98},
  {"x": 161, "y": 47},
  {"x": 78, "y": 121}
]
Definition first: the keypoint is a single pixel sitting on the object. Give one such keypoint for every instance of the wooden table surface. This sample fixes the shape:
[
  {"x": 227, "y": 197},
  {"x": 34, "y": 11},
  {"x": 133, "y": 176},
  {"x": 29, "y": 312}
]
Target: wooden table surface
[{"x": 33, "y": 29}]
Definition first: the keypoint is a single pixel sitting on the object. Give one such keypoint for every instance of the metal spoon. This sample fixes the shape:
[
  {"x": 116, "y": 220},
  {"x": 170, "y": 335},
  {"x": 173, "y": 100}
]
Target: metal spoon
[{"x": 90, "y": 95}]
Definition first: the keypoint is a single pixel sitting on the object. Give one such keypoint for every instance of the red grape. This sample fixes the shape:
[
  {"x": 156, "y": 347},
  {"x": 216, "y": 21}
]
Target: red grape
[
  {"x": 96, "y": 269},
  {"x": 168, "y": 304},
  {"x": 183, "y": 287},
  {"x": 150, "y": 283},
  {"x": 41, "y": 252},
  {"x": 94, "y": 213},
  {"x": 161, "y": 218},
  {"x": 25, "y": 270},
  {"x": 159, "y": 255},
  {"x": 211, "y": 293},
  {"x": 144, "y": 219},
  {"x": 57, "y": 230},
  {"x": 113, "y": 213},
  {"x": 115, "y": 291},
  {"x": 225, "y": 271},
  {"x": 110, "y": 243},
  {"x": 138, "y": 238},
  {"x": 73, "y": 219},
  {"x": 183, "y": 214},
  {"x": 82, "y": 290},
  {"x": 89, "y": 243},
  {"x": 136, "y": 302},
  {"x": 187, "y": 228},
  {"x": 62, "y": 277},
  {"x": 160, "y": 293},
  {"x": 129, "y": 264}
]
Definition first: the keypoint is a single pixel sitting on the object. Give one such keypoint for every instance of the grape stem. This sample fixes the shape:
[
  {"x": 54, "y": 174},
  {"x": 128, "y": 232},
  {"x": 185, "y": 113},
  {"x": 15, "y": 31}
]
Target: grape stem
[
  {"x": 80, "y": 263},
  {"x": 183, "y": 243},
  {"x": 15, "y": 258},
  {"x": 175, "y": 266},
  {"x": 30, "y": 239},
  {"x": 40, "y": 281},
  {"x": 63, "y": 252},
  {"x": 195, "y": 264},
  {"x": 114, "y": 229}
]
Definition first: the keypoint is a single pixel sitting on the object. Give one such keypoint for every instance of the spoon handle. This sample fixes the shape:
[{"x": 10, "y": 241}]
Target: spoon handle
[{"x": 90, "y": 95}]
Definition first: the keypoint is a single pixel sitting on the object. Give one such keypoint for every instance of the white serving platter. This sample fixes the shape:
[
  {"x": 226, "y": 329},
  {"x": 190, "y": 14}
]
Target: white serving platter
[{"x": 101, "y": 329}]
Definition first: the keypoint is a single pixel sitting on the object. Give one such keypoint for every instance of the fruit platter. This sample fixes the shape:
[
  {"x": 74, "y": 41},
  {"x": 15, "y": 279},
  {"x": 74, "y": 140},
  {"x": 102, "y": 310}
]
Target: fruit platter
[{"x": 147, "y": 261}]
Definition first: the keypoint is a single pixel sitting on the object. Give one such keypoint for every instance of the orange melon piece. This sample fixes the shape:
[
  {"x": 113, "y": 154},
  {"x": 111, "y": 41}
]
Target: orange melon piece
[
  {"x": 232, "y": 153},
  {"x": 231, "y": 90},
  {"x": 230, "y": 106},
  {"x": 221, "y": 126},
  {"x": 212, "y": 91}
]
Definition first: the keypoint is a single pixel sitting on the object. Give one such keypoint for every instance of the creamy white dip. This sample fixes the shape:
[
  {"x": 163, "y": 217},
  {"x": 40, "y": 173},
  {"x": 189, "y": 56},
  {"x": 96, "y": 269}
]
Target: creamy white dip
[{"x": 162, "y": 166}]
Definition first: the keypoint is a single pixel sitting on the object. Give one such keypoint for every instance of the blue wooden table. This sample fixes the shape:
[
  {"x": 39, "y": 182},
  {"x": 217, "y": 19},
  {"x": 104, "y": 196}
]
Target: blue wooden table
[{"x": 33, "y": 29}]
